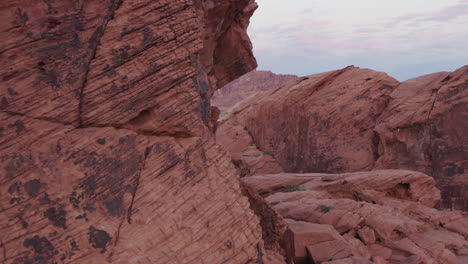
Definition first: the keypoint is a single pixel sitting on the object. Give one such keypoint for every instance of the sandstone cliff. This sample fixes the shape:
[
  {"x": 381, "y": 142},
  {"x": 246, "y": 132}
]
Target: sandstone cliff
[
  {"x": 425, "y": 128},
  {"x": 358, "y": 119},
  {"x": 248, "y": 85},
  {"x": 106, "y": 145}
]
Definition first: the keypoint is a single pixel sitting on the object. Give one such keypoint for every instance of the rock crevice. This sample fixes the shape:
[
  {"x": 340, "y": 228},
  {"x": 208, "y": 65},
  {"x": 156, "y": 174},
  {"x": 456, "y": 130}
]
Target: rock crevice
[{"x": 94, "y": 43}]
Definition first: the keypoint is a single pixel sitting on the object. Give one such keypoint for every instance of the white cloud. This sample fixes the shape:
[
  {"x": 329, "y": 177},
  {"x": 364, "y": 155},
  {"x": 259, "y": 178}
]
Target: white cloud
[{"x": 378, "y": 33}]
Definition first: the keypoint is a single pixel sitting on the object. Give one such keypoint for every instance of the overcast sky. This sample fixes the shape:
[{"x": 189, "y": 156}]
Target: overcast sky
[{"x": 405, "y": 38}]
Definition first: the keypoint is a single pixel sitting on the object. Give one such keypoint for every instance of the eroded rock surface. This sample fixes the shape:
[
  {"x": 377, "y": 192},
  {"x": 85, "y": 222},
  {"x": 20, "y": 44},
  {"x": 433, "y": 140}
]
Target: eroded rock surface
[
  {"x": 246, "y": 156},
  {"x": 358, "y": 119},
  {"x": 319, "y": 124},
  {"x": 106, "y": 145},
  {"x": 251, "y": 83},
  {"x": 383, "y": 216},
  {"x": 425, "y": 128}
]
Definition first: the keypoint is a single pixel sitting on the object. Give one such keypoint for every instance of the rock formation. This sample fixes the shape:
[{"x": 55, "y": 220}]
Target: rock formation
[
  {"x": 358, "y": 119},
  {"x": 248, "y": 85},
  {"x": 106, "y": 145},
  {"x": 380, "y": 217},
  {"x": 244, "y": 153},
  {"x": 425, "y": 128},
  {"x": 108, "y": 152}
]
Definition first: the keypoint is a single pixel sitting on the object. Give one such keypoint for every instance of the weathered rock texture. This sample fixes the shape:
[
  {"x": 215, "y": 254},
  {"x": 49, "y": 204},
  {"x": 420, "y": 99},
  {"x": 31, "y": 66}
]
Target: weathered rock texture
[
  {"x": 425, "y": 128},
  {"x": 248, "y": 85},
  {"x": 106, "y": 145},
  {"x": 358, "y": 119},
  {"x": 383, "y": 216},
  {"x": 322, "y": 123},
  {"x": 247, "y": 158}
]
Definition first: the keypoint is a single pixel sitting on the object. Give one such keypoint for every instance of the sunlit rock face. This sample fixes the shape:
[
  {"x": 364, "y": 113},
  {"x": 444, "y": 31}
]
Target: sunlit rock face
[
  {"x": 358, "y": 119},
  {"x": 106, "y": 146}
]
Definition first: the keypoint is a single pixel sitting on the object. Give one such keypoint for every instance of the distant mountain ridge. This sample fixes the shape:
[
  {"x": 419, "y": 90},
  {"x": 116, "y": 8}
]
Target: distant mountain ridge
[{"x": 248, "y": 85}]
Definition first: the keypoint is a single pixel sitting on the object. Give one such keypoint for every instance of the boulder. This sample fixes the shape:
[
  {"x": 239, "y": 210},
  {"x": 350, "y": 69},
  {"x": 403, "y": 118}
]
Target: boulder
[
  {"x": 329, "y": 250},
  {"x": 384, "y": 216},
  {"x": 367, "y": 235},
  {"x": 376, "y": 185},
  {"x": 302, "y": 237}
]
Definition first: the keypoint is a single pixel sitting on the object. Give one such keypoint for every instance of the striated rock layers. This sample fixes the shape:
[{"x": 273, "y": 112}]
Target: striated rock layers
[
  {"x": 358, "y": 119},
  {"x": 380, "y": 217},
  {"x": 106, "y": 145},
  {"x": 248, "y": 85}
]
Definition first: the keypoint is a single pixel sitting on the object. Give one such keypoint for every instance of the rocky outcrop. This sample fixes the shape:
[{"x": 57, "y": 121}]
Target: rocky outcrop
[
  {"x": 425, "y": 128},
  {"x": 383, "y": 216},
  {"x": 106, "y": 145},
  {"x": 251, "y": 83},
  {"x": 322, "y": 123},
  {"x": 358, "y": 119}
]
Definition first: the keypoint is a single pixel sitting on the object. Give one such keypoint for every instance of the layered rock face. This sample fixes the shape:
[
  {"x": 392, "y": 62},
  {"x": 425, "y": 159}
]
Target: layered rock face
[
  {"x": 322, "y": 123},
  {"x": 358, "y": 119},
  {"x": 248, "y": 85},
  {"x": 425, "y": 128},
  {"x": 380, "y": 217},
  {"x": 106, "y": 145}
]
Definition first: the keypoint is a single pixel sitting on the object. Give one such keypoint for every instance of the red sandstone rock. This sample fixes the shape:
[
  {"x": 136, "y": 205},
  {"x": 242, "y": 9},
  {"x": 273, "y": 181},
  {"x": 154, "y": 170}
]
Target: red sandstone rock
[
  {"x": 329, "y": 250},
  {"x": 106, "y": 146},
  {"x": 322, "y": 123},
  {"x": 367, "y": 235},
  {"x": 300, "y": 235},
  {"x": 245, "y": 155},
  {"x": 248, "y": 85},
  {"x": 377, "y": 185},
  {"x": 380, "y": 251},
  {"x": 424, "y": 128},
  {"x": 390, "y": 222},
  {"x": 357, "y": 119}
]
